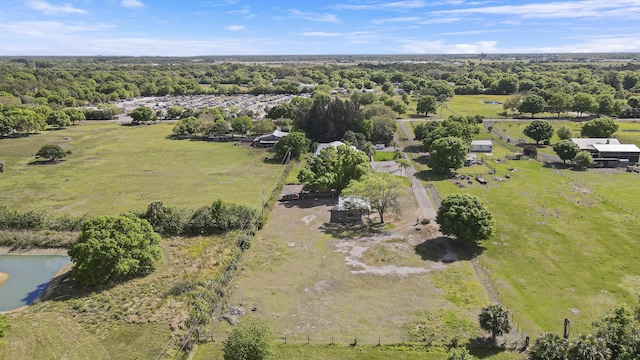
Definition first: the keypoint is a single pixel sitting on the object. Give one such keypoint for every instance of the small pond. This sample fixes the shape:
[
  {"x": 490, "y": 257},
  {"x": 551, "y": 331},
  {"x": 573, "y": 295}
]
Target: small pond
[{"x": 28, "y": 276}]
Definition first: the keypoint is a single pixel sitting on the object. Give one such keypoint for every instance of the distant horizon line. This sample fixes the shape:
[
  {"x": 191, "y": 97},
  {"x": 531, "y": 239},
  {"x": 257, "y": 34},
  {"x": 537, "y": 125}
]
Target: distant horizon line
[{"x": 333, "y": 55}]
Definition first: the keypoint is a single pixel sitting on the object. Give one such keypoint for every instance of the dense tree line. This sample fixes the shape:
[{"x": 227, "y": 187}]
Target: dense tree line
[{"x": 91, "y": 81}]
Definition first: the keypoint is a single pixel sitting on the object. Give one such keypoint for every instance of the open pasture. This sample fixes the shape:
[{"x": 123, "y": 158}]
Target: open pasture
[
  {"x": 114, "y": 169},
  {"x": 559, "y": 250}
]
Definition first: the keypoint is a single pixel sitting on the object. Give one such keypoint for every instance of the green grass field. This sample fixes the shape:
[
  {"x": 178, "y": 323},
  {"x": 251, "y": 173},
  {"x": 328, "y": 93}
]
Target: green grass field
[
  {"x": 559, "y": 251},
  {"x": 114, "y": 169}
]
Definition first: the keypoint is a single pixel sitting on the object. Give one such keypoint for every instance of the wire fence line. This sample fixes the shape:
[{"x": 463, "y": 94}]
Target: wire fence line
[{"x": 604, "y": 198}]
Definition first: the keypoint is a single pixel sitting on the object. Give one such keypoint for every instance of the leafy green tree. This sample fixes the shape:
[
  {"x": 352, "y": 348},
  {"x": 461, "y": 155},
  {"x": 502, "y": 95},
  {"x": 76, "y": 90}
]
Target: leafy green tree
[
  {"x": 426, "y": 104},
  {"x": 221, "y": 127},
  {"x": 113, "y": 248},
  {"x": 424, "y": 128},
  {"x": 58, "y": 118},
  {"x": 75, "y": 115},
  {"x": 26, "y": 121},
  {"x": 583, "y": 102},
  {"x": 559, "y": 103},
  {"x": 459, "y": 354},
  {"x": 532, "y": 104},
  {"x": 241, "y": 125},
  {"x": 606, "y": 104},
  {"x": 252, "y": 339},
  {"x": 620, "y": 331},
  {"x": 187, "y": 126},
  {"x": 295, "y": 143},
  {"x": 583, "y": 159},
  {"x": 52, "y": 152},
  {"x": 564, "y": 132},
  {"x": 354, "y": 138},
  {"x": 566, "y": 149},
  {"x": 383, "y": 191},
  {"x": 6, "y": 125},
  {"x": 464, "y": 127},
  {"x": 334, "y": 168},
  {"x": 549, "y": 346},
  {"x": 175, "y": 112},
  {"x": 383, "y": 129},
  {"x": 142, "y": 115},
  {"x": 599, "y": 128},
  {"x": 328, "y": 120},
  {"x": 494, "y": 318},
  {"x": 448, "y": 153},
  {"x": 262, "y": 127},
  {"x": 465, "y": 217},
  {"x": 513, "y": 102},
  {"x": 589, "y": 347},
  {"x": 539, "y": 130}
]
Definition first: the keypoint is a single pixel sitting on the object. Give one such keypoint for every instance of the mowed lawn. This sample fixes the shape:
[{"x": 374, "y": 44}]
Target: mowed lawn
[
  {"x": 559, "y": 251},
  {"x": 115, "y": 168}
]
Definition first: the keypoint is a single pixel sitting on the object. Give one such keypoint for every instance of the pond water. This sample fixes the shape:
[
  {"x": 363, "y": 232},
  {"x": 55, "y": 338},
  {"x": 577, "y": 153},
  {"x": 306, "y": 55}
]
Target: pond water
[{"x": 28, "y": 276}]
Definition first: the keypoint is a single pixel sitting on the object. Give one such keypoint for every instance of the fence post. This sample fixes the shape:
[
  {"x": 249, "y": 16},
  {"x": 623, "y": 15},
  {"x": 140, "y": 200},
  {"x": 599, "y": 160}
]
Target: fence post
[
  {"x": 378, "y": 340},
  {"x": 308, "y": 339},
  {"x": 285, "y": 339}
]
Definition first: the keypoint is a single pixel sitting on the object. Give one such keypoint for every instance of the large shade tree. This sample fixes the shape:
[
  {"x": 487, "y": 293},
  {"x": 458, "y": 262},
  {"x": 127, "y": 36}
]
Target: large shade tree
[
  {"x": 599, "y": 128},
  {"x": 142, "y": 115},
  {"x": 448, "y": 153},
  {"x": 566, "y": 149},
  {"x": 52, "y": 152},
  {"x": 334, "y": 168},
  {"x": 465, "y": 217},
  {"x": 383, "y": 191},
  {"x": 539, "y": 130},
  {"x": 295, "y": 144},
  {"x": 113, "y": 248}
]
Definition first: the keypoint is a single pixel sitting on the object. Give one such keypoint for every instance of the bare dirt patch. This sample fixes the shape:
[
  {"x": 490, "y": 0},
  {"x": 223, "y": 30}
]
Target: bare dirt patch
[{"x": 341, "y": 282}]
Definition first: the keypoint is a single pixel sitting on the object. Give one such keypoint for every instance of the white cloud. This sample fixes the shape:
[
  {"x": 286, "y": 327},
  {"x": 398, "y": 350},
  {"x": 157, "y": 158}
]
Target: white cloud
[
  {"x": 314, "y": 17},
  {"x": 321, "y": 34},
  {"x": 50, "y": 9},
  {"x": 396, "y": 20},
  {"x": 440, "y": 47},
  {"x": 444, "y": 20},
  {"x": 46, "y": 29},
  {"x": 132, "y": 3},
  {"x": 393, "y": 5},
  {"x": 559, "y": 9},
  {"x": 235, "y": 27}
]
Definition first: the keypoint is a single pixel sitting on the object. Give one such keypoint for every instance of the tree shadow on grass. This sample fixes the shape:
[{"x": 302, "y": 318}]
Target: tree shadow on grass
[
  {"x": 430, "y": 175},
  {"x": 446, "y": 250},
  {"x": 352, "y": 230},
  {"x": 482, "y": 347},
  {"x": 65, "y": 287},
  {"x": 45, "y": 162}
]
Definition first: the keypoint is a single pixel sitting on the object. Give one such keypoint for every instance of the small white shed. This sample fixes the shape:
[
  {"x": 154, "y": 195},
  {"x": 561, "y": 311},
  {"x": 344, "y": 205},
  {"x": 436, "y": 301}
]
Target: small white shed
[{"x": 481, "y": 146}]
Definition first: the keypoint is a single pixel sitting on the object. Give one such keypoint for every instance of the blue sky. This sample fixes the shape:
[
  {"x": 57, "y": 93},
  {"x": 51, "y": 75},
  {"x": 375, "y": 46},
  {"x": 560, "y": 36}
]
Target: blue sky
[{"x": 244, "y": 27}]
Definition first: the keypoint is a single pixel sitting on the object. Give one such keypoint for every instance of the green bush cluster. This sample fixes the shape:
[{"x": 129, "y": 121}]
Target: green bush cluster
[
  {"x": 38, "y": 219},
  {"x": 219, "y": 218}
]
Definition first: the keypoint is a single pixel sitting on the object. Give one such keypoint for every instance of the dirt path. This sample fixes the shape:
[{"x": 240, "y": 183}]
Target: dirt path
[{"x": 427, "y": 209}]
